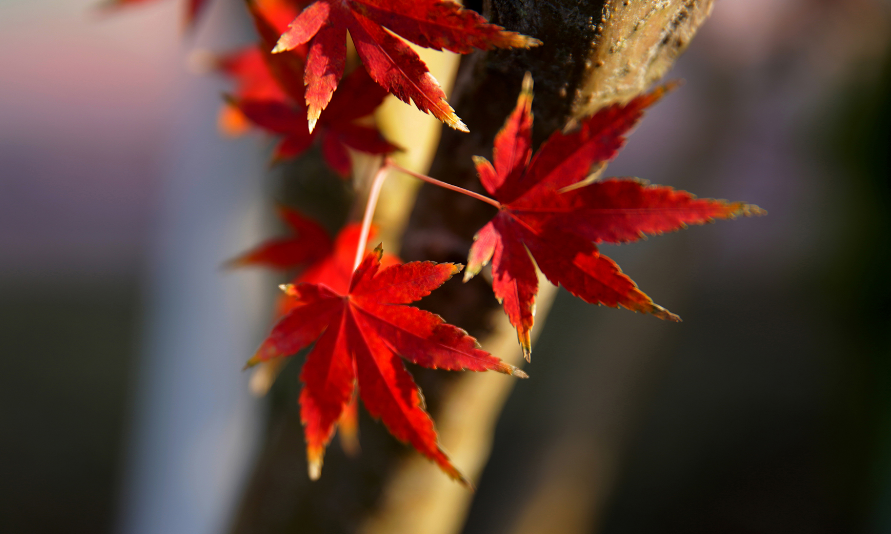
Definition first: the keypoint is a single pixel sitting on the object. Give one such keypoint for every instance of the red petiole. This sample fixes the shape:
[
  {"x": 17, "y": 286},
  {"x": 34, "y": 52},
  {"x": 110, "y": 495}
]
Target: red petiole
[
  {"x": 373, "y": 196},
  {"x": 444, "y": 185}
]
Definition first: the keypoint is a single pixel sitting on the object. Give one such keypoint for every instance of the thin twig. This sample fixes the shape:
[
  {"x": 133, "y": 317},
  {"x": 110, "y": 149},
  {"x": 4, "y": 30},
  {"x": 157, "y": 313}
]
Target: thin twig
[
  {"x": 373, "y": 195},
  {"x": 434, "y": 181}
]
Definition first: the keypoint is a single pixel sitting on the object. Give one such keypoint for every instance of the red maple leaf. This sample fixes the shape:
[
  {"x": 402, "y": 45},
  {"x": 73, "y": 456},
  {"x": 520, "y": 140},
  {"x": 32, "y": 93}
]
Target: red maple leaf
[
  {"x": 253, "y": 81},
  {"x": 308, "y": 244},
  {"x": 359, "y": 97},
  {"x": 269, "y": 93},
  {"x": 334, "y": 270},
  {"x": 362, "y": 333},
  {"x": 270, "y": 19},
  {"x": 258, "y": 74},
  {"x": 436, "y": 24},
  {"x": 310, "y": 251},
  {"x": 552, "y": 214}
]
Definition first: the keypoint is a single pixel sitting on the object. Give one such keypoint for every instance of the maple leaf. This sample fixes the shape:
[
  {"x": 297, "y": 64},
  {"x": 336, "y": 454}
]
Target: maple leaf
[
  {"x": 258, "y": 74},
  {"x": 271, "y": 18},
  {"x": 269, "y": 93},
  {"x": 311, "y": 253},
  {"x": 552, "y": 214},
  {"x": 320, "y": 262},
  {"x": 337, "y": 129},
  {"x": 361, "y": 334},
  {"x": 253, "y": 81},
  {"x": 334, "y": 270},
  {"x": 308, "y": 244},
  {"x": 436, "y": 24}
]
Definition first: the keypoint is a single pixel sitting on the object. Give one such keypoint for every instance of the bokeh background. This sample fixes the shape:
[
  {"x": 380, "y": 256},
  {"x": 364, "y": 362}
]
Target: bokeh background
[{"x": 767, "y": 411}]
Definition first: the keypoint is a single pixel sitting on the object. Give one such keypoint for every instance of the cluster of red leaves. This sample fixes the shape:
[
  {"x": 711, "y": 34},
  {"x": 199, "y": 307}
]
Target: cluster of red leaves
[
  {"x": 362, "y": 332},
  {"x": 436, "y": 24},
  {"x": 322, "y": 26},
  {"x": 365, "y": 328},
  {"x": 269, "y": 93},
  {"x": 305, "y": 61},
  {"x": 551, "y": 213}
]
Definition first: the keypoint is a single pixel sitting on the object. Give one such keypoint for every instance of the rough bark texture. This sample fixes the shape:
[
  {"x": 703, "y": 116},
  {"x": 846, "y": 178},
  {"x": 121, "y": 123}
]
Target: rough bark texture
[
  {"x": 594, "y": 52},
  {"x": 637, "y": 42}
]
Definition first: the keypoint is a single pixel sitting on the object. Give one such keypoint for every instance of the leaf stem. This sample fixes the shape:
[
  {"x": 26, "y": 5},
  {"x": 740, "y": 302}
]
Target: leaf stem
[
  {"x": 373, "y": 195},
  {"x": 434, "y": 181}
]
